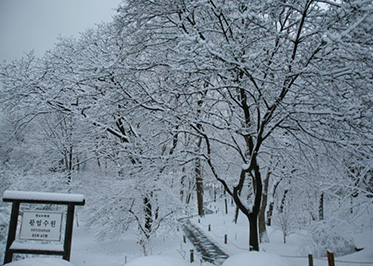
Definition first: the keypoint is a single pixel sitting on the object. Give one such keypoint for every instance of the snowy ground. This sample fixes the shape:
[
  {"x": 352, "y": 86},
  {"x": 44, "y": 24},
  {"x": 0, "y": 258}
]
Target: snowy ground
[
  {"x": 237, "y": 235},
  {"x": 88, "y": 251}
]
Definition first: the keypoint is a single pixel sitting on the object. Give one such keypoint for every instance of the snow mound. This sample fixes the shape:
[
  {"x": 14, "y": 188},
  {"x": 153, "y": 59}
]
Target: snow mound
[
  {"x": 157, "y": 261},
  {"x": 257, "y": 259},
  {"x": 40, "y": 262}
]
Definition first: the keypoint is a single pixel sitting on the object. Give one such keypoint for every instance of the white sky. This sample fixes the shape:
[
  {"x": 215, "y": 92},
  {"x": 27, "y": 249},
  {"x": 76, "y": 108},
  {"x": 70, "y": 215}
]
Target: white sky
[{"x": 35, "y": 24}]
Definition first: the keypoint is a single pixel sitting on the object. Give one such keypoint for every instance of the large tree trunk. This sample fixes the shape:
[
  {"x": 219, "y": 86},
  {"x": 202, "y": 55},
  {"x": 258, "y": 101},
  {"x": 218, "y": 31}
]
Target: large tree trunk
[
  {"x": 283, "y": 200},
  {"x": 190, "y": 191},
  {"x": 269, "y": 213},
  {"x": 321, "y": 207},
  {"x": 199, "y": 187},
  {"x": 236, "y": 213},
  {"x": 253, "y": 234},
  {"x": 272, "y": 203},
  {"x": 182, "y": 187},
  {"x": 252, "y": 214},
  {"x": 263, "y": 236},
  {"x": 254, "y": 240},
  {"x": 198, "y": 172},
  {"x": 148, "y": 217}
]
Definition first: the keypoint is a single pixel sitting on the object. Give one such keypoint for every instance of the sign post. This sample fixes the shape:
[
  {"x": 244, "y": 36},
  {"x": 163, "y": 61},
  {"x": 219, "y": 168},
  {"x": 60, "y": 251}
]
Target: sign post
[{"x": 40, "y": 225}]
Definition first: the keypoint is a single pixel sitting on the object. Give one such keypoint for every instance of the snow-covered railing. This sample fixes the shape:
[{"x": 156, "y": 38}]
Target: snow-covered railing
[{"x": 33, "y": 227}]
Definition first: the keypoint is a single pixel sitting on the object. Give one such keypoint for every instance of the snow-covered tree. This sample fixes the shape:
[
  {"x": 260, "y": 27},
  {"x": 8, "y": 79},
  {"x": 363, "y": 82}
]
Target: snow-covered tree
[
  {"x": 263, "y": 68},
  {"x": 88, "y": 101},
  {"x": 243, "y": 82}
]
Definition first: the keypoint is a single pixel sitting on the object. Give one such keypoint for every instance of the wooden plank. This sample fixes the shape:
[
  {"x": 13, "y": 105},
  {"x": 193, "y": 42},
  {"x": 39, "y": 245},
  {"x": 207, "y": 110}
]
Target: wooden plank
[
  {"x": 34, "y": 248},
  {"x": 37, "y": 252}
]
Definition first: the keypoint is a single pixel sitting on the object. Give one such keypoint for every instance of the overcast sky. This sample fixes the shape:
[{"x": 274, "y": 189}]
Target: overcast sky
[{"x": 35, "y": 24}]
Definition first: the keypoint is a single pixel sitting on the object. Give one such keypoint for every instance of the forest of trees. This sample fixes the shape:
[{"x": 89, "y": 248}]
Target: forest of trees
[{"x": 270, "y": 101}]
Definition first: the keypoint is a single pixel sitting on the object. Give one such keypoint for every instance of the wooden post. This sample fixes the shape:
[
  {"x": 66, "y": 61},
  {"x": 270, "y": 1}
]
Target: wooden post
[
  {"x": 68, "y": 231},
  {"x": 12, "y": 231},
  {"x": 191, "y": 256},
  {"x": 310, "y": 260},
  {"x": 330, "y": 258},
  {"x": 225, "y": 239},
  {"x": 226, "y": 206}
]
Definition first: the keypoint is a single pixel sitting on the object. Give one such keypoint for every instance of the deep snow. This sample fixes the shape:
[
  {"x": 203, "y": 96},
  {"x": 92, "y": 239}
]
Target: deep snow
[
  {"x": 257, "y": 259},
  {"x": 157, "y": 261},
  {"x": 40, "y": 262},
  {"x": 88, "y": 251}
]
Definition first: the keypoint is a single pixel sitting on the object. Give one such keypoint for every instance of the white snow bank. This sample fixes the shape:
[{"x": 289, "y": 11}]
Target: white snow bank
[
  {"x": 257, "y": 259},
  {"x": 157, "y": 261},
  {"x": 40, "y": 262},
  {"x": 42, "y": 196}
]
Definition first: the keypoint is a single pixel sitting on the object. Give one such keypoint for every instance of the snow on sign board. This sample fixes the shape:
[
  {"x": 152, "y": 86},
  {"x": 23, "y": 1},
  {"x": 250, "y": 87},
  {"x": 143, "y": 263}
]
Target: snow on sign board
[{"x": 41, "y": 225}]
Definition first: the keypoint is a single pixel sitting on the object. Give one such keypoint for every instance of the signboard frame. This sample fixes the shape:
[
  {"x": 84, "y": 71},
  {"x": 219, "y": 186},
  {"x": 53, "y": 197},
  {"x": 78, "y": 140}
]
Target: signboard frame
[{"x": 48, "y": 198}]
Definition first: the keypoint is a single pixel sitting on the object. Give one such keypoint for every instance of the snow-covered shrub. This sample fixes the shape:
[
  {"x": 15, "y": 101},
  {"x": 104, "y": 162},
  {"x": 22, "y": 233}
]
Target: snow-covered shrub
[{"x": 333, "y": 235}]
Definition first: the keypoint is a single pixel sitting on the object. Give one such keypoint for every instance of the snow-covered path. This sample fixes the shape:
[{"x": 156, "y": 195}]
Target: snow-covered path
[{"x": 208, "y": 250}]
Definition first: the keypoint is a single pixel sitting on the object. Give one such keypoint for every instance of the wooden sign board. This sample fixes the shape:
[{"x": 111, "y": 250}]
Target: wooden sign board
[{"x": 41, "y": 225}]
